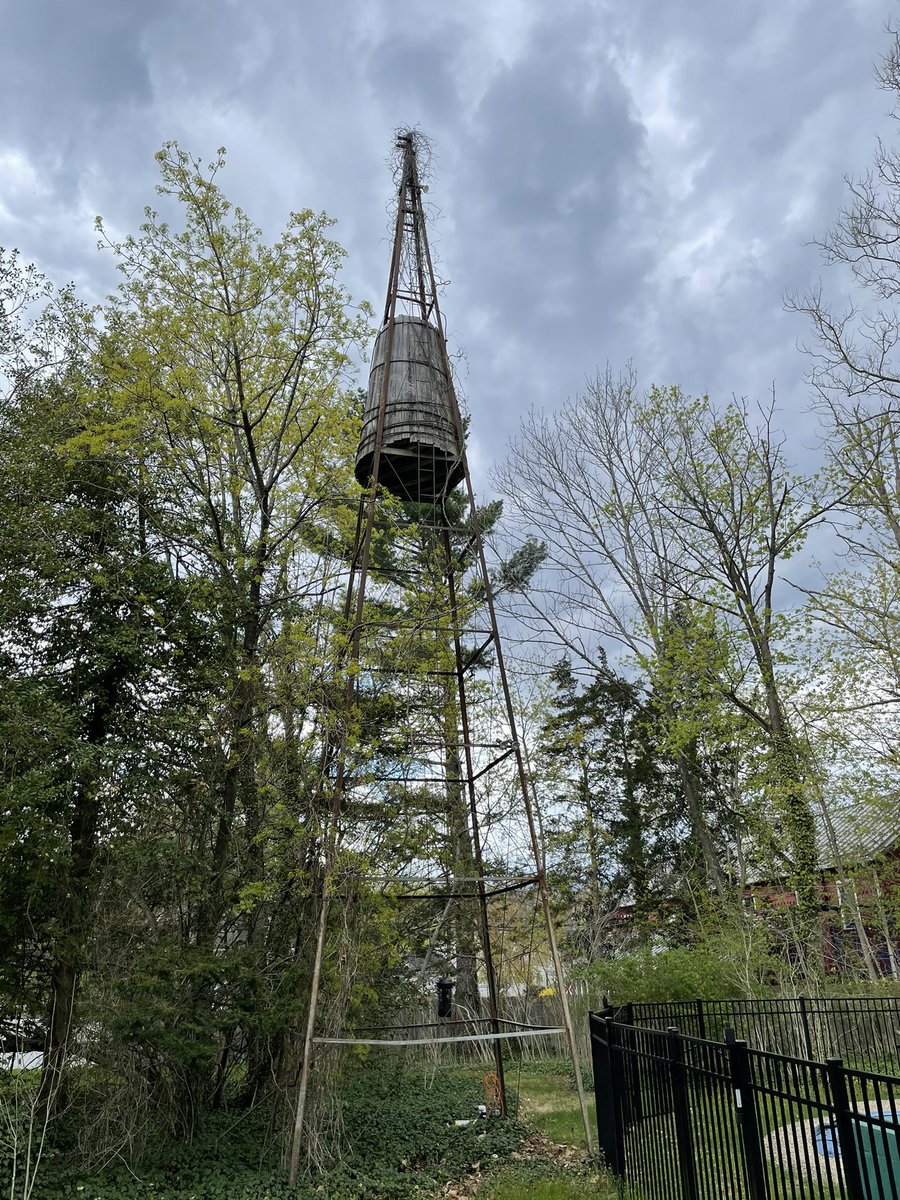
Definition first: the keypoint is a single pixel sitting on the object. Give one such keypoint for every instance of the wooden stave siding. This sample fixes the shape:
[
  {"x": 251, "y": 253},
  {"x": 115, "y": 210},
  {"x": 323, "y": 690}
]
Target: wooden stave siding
[{"x": 421, "y": 456}]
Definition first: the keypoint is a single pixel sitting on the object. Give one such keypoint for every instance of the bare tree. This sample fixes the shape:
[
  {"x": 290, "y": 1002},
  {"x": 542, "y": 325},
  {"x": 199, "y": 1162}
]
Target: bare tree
[
  {"x": 587, "y": 479},
  {"x": 857, "y": 349},
  {"x": 667, "y": 525},
  {"x": 740, "y": 513},
  {"x": 855, "y": 353}
]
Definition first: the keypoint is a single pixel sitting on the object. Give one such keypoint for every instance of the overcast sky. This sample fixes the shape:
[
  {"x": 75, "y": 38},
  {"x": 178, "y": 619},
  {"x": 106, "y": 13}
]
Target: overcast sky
[{"x": 630, "y": 179}]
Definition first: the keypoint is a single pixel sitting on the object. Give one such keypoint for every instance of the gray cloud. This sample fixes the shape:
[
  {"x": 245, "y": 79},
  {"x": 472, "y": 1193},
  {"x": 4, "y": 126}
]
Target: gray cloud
[{"x": 613, "y": 178}]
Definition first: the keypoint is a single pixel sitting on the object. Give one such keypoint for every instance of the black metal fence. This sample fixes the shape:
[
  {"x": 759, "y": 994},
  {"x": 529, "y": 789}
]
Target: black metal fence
[
  {"x": 689, "y": 1118},
  {"x": 862, "y": 1030}
]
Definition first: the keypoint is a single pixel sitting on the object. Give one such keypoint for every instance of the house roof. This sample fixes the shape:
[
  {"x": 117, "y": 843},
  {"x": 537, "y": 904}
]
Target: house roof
[{"x": 862, "y": 833}]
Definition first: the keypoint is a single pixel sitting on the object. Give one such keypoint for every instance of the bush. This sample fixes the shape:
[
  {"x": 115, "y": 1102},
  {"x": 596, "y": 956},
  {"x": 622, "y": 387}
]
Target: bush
[{"x": 682, "y": 973}]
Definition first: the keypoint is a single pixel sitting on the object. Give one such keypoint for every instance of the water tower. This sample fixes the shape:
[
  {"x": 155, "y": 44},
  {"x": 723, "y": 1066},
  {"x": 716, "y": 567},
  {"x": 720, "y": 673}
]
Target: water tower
[{"x": 412, "y": 449}]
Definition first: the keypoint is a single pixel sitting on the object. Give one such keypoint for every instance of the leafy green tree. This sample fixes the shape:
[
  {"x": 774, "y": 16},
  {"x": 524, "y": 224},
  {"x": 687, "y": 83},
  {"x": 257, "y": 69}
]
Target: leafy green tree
[
  {"x": 620, "y": 822},
  {"x": 612, "y": 788},
  {"x": 226, "y": 361},
  {"x": 228, "y": 356},
  {"x": 180, "y": 479},
  {"x": 90, "y": 627}
]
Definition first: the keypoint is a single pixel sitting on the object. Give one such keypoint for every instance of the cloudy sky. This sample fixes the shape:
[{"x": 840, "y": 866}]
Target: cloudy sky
[{"x": 614, "y": 179}]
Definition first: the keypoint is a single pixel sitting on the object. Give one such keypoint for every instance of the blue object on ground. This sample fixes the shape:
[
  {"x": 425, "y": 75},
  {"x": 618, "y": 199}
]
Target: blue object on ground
[{"x": 825, "y": 1139}]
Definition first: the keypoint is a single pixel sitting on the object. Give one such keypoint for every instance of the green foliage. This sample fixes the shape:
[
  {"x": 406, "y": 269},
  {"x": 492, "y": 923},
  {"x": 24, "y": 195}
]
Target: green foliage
[
  {"x": 400, "y": 1121},
  {"x": 400, "y": 1141},
  {"x": 623, "y": 830},
  {"x": 682, "y": 973},
  {"x": 612, "y": 795},
  {"x": 173, "y": 510}
]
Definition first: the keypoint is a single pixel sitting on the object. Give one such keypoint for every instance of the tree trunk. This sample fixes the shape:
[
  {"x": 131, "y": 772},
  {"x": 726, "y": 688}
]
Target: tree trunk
[
  {"x": 594, "y": 859},
  {"x": 791, "y": 800},
  {"x": 69, "y": 945}
]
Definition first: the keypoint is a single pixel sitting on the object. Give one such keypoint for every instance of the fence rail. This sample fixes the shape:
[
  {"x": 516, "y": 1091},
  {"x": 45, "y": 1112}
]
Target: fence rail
[
  {"x": 862, "y": 1030},
  {"x": 681, "y": 1117}
]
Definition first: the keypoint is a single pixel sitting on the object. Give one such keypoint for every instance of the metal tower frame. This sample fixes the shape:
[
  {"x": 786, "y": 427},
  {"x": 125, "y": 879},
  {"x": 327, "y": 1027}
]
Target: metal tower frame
[{"x": 412, "y": 285}]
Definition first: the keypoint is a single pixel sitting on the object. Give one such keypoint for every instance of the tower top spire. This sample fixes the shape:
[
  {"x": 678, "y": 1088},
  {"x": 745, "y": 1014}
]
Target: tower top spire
[
  {"x": 411, "y": 282},
  {"x": 412, "y": 438}
]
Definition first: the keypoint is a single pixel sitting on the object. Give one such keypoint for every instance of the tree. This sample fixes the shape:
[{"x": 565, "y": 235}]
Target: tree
[
  {"x": 178, "y": 502},
  {"x": 409, "y": 642},
  {"x": 89, "y": 629},
  {"x": 855, "y": 372},
  {"x": 586, "y": 479},
  {"x": 668, "y": 523},
  {"x": 226, "y": 359},
  {"x": 739, "y": 513},
  {"x": 613, "y": 800}
]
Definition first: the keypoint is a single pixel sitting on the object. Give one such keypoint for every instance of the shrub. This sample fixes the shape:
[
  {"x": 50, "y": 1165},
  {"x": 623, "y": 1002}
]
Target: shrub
[{"x": 681, "y": 973}]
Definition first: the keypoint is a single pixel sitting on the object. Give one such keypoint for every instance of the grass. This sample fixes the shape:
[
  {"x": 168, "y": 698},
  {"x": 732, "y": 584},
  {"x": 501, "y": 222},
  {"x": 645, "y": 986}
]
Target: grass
[
  {"x": 548, "y": 1103},
  {"x": 545, "y": 1182},
  {"x": 548, "y": 1100}
]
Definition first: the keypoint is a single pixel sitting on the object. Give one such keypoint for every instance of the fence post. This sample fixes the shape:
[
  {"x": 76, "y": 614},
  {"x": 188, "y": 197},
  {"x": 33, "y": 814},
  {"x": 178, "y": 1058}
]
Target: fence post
[
  {"x": 804, "y": 1017},
  {"x": 600, "y": 1077},
  {"x": 747, "y": 1119},
  {"x": 837, "y": 1082},
  {"x": 617, "y": 1090},
  {"x": 687, "y": 1165},
  {"x": 603, "y": 1090}
]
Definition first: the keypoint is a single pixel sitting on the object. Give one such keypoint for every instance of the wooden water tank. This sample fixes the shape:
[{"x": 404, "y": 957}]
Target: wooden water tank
[{"x": 421, "y": 457}]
